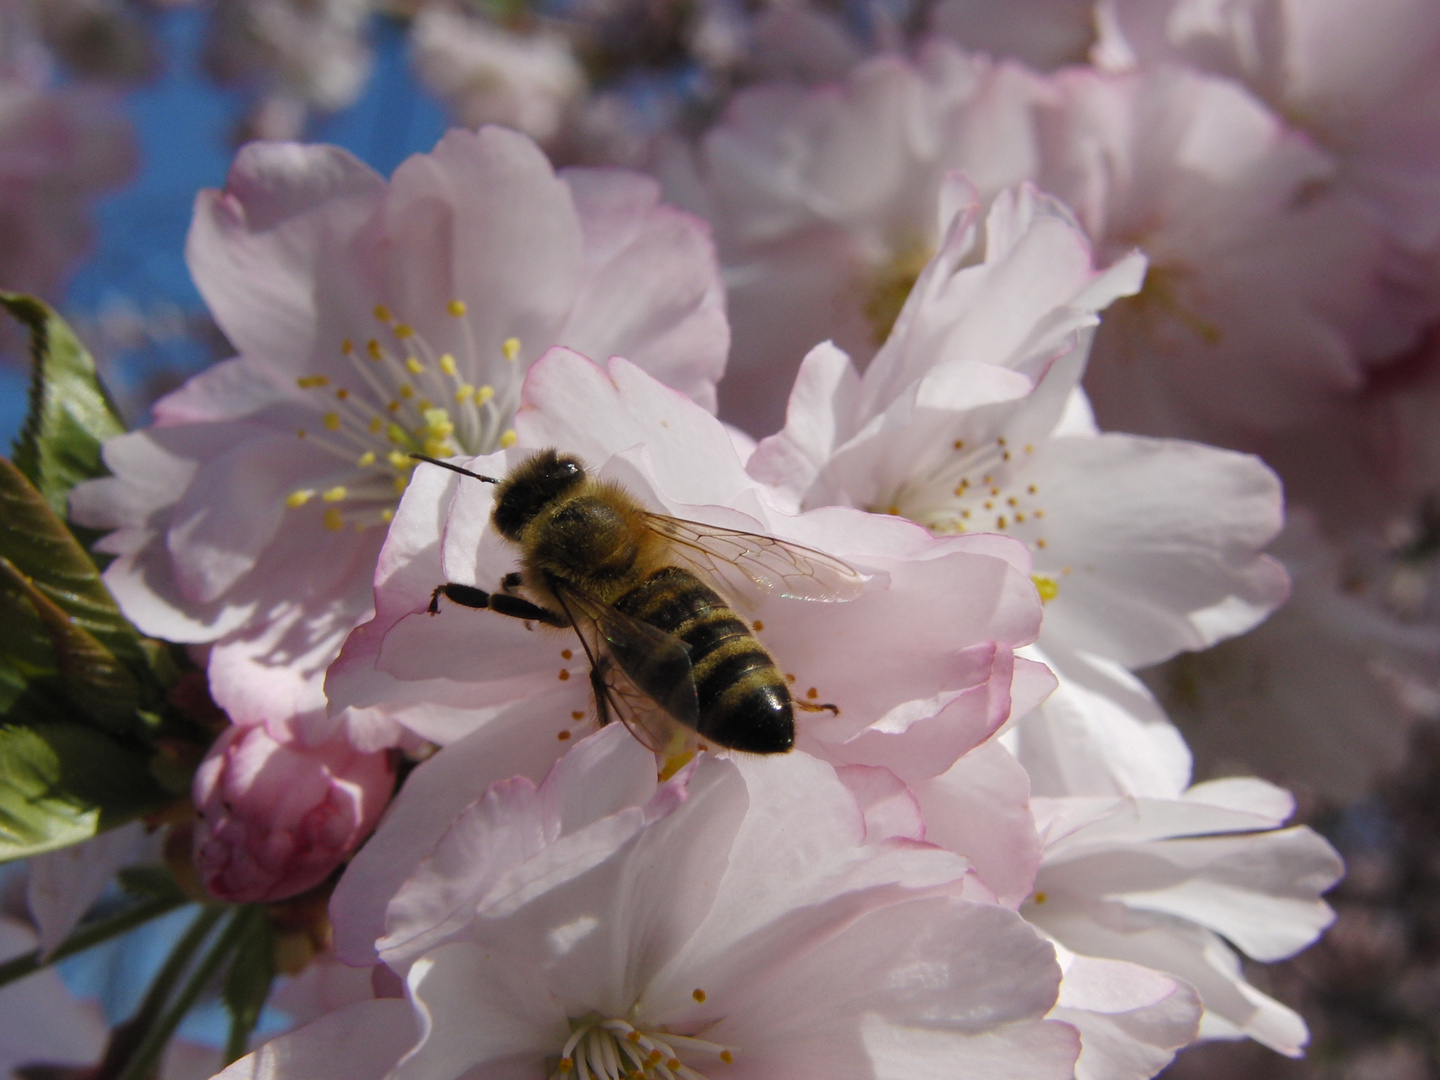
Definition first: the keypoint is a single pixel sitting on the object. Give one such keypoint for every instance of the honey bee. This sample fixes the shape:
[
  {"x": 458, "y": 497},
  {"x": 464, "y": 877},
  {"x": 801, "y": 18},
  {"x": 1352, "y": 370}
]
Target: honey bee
[{"x": 664, "y": 647}]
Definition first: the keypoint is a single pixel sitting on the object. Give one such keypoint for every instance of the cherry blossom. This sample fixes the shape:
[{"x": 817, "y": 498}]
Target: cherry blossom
[
  {"x": 1164, "y": 883},
  {"x": 60, "y": 148},
  {"x": 826, "y": 201},
  {"x": 1141, "y": 547},
  {"x": 492, "y": 76},
  {"x": 372, "y": 320},
  {"x": 782, "y": 940},
  {"x": 1360, "y": 76},
  {"x": 917, "y": 678}
]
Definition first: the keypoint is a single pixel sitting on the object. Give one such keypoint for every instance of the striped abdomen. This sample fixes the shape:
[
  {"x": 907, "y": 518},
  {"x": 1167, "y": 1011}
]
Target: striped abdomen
[{"x": 743, "y": 700}]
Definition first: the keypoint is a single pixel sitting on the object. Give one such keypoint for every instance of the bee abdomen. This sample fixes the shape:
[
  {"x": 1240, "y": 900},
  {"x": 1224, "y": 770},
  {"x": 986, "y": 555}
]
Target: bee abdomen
[{"x": 743, "y": 700}]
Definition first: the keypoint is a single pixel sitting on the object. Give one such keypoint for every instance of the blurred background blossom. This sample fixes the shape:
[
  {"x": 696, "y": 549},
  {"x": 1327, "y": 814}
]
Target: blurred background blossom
[{"x": 1278, "y": 163}]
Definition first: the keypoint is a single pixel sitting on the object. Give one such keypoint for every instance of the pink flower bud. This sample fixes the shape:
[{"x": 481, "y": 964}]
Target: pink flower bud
[{"x": 276, "y": 818}]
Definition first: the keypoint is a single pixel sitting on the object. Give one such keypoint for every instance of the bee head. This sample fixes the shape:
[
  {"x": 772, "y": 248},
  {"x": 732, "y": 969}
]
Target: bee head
[{"x": 542, "y": 478}]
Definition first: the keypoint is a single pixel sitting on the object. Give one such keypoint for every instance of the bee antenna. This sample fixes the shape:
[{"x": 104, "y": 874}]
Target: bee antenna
[{"x": 455, "y": 468}]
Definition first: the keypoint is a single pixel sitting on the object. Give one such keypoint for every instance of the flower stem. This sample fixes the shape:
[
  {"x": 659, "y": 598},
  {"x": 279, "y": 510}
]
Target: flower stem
[
  {"x": 125, "y": 1040},
  {"x": 89, "y": 936}
]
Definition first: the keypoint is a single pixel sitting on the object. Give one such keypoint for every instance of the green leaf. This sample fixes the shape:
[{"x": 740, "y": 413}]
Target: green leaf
[
  {"x": 40, "y": 547},
  {"x": 70, "y": 413},
  {"x": 247, "y": 983},
  {"x": 89, "y": 675},
  {"x": 63, "y": 783}
]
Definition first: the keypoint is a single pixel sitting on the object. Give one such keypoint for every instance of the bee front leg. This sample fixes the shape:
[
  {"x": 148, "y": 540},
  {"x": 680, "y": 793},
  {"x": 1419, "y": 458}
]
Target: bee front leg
[
  {"x": 516, "y": 607},
  {"x": 464, "y": 595}
]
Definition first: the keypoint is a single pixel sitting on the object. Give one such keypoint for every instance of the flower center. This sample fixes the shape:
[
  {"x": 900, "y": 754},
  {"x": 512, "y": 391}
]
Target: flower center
[
  {"x": 889, "y": 286},
  {"x": 979, "y": 487},
  {"x": 605, "y": 1049},
  {"x": 403, "y": 396}
]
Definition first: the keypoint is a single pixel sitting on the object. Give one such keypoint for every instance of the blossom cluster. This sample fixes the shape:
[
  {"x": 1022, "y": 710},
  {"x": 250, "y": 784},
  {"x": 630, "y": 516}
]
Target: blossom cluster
[{"x": 954, "y": 373}]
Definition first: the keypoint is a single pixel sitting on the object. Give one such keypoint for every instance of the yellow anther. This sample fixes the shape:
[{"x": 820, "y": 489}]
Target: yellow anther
[
  {"x": 655, "y": 1057},
  {"x": 1000, "y": 522},
  {"x": 672, "y": 1064},
  {"x": 306, "y": 382},
  {"x": 403, "y": 330},
  {"x": 447, "y": 364},
  {"x": 698, "y": 995},
  {"x": 464, "y": 394},
  {"x": 387, "y": 515},
  {"x": 401, "y": 483},
  {"x": 414, "y": 366},
  {"x": 566, "y": 1065},
  {"x": 1040, "y": 898},
  {"x": 335, "y": 494},
  {"x": 332, "y": 421},
  {"x": 484, "y": 395},
  {"x": 456, "y": 308},
  {"x": 382, "y": 313},
  {"x": 1040, "y": 543},
  {"x": 376, "y": 425},
  {"x": 407, "y": 391},
  {"x": 393, "y": 406},
  {"x": 341, "y": 393},
  {"x": 298, "y": 498},
  {"x": 397, "y": 434},
  {"x": 1047, "y": 587},
  {"x": 959, "y": 444},
  {"x": 509, "y": 438},
  {"x": 1031, "y": 489},
  {"x": 399, "y": 460},
  {"x": 366, "y": 459},
  {"x": 727, "y": 1057},
  {"x": 633, "y": 1035},
  {"x": 511, "y": 348},
  {"x": 300, "y": 434},
  {"x": 347, "y": 347},
  {"x": 423, "y": 404},
  {"x": 437, "y": 422},
  {"x": 334, "y": 520},
  {"x": 373, "y": 348},
  {"x": 438, "y": 448}
]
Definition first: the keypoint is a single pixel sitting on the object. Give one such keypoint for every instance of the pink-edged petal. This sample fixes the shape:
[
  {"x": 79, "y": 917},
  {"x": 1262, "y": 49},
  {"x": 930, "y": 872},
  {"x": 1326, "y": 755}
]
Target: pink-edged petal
[
  {"x": 1131, "y": 1019},
  {"x": 1164, "y": 554},
  {"x": 434, "y": 794},
  {"x": 980, "y": 808},
  {"x": 258, "y": 249},
  {"x": 652, "y": 290}
]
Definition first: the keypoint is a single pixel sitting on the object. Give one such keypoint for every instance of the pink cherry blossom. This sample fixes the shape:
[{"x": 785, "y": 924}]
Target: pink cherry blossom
[
  {"x": 779, "y": 940},
  {"x": 372, "y": 319},
  {"x": 60, "y": 148},
  {"x": 968, "y": 419},
  {"x": 1160, "y": 882},
  {"x": 1267, "y": 290},
  {"x": 1362, "y": 77},
  {"x": 489, "y": 75},
  {"x": 825, "y": 201},
  {"x": 920, "y": 665},
  {"x": 275, "y": 819}
]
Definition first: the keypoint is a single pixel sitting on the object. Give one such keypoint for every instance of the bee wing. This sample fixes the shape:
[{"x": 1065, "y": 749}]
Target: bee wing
[
  {"x": 640, "y": 675},
  {"x": 754, "y": 562}
]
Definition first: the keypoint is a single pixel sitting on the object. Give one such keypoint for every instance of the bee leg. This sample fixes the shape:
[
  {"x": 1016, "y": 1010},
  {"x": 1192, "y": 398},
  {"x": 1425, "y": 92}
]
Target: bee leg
[
  {"x": 464, "y": 595},
  {"x": 601, "y": 691},
  {"x": 808, "y": 706},
  {"x": 517, "y": 607},
  {"x": 501, "y": 603},
  {"x": 512, "y": 581}
]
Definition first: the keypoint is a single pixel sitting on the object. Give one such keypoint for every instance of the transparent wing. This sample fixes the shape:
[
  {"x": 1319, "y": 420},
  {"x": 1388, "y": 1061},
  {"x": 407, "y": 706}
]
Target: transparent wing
[
  {"x": 640, "y": 675},
  {"x": 753, "y": 562}
]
